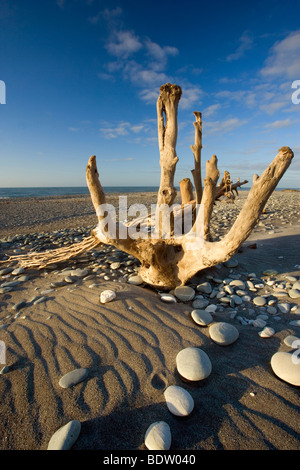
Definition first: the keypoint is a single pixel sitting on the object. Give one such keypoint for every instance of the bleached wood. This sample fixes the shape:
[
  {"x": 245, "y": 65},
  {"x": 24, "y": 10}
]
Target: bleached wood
[
  {"x": 186, "y": 191},
  {"x": 167, "y": 106},
  {"x": 209, "y": 192},
  {"x": 196, "y": 148}
]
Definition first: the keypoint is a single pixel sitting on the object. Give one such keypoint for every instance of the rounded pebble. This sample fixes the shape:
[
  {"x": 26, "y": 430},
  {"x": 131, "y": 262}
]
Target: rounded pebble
[
  {"x": 200, "y": 303},
  {"x": 267, "y": 332},
  {"x": 158, "y": 436},
  {"x": 168, "y": 298},
  {"x": 284, "y": 307},
  {"x": 237, "y": 283},
  {"x": 107, "y": 296},
  {"x": 184, "y": 293},
  {"x": 179, "y": 401},
  {"x": 296, "y": 285},
  {"x": 259, "y": 323},
  {"x": 223, "y": 333},
  {"x": 73, "y": 377},
  {"x": 193, "y": 364},
  {"x": 270, "y": 272},
  {"x": 201, "y": 317},
  {"x": 135, "y": 280},
  {"x": 294, "y": 293},
  {"x": 292, "y": 341},
  {"x": 65, "y": 437},
  {"x": 231, "y": 263},
  {"x": 259, "y": 300},
  {"x": 205, "y": 287},
  {"x": 287, "y": 367}
]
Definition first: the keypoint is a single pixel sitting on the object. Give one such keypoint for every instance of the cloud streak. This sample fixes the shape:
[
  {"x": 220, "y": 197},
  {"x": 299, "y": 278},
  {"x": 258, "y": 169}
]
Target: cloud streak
[
  {"x": 246, "y": 43},
  {"x": 284, "y": 58}
]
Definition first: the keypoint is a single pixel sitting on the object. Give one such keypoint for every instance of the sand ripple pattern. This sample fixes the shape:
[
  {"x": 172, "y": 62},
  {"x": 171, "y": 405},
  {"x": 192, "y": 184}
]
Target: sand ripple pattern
[{"x": 130, "y": 346}]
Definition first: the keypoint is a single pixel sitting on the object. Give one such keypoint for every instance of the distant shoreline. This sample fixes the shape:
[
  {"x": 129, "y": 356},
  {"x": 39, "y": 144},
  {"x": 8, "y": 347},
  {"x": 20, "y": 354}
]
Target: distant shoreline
[{"x": 63, "y": 192}]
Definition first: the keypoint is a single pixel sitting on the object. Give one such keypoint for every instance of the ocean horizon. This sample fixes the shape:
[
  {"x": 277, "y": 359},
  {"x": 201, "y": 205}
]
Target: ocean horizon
[{"x": 8, "y": 193}]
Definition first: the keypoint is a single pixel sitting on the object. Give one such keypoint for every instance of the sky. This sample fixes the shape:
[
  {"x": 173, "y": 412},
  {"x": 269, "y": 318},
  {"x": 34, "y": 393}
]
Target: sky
[{"x": 82, "y": 77}]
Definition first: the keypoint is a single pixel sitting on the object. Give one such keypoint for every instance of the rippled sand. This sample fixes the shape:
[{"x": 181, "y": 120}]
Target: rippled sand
[{"x": 130, "y": 346}]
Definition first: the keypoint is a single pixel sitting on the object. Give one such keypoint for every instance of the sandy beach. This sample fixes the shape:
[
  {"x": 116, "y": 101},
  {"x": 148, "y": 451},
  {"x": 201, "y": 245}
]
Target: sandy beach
[{"x": 52, "y": 324}]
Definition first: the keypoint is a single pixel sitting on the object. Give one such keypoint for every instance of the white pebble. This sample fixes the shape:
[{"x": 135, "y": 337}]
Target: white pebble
[
  {"x": 267, "y": 332},
  {"x": 287, "y": 367},
  {"x": 179, "y": 401},
  {"x": 193, "y": 364},
  {"x": 65, "y": 437},
  {"x": 107, "y": 296},
  {"x": 158, "y": 436}
]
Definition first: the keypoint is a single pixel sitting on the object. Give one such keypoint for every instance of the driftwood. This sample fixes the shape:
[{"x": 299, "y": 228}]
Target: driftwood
[
  {"x": 170, "y": 258},
  {"x": 169, "y": 261}
]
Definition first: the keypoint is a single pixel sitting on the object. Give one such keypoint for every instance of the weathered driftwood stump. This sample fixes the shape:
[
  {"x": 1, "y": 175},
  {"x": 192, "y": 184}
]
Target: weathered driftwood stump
[
  {"x": 169, "y": 259},
  {"x": 174, "y": 242}
]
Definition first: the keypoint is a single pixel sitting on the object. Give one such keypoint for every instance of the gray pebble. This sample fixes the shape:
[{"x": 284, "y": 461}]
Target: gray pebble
[
  {"x": 200, "y": 303},
  {"x": 65, "y": 437},
  {"x": 73, "y": 377},
  {"x": 201, "y": 317},
  {"x": 205, "y": 287},
  {"x": 135, "y": 280},
  {"x": 184, "y": 293},
  {"x": 231, "y": 263},
  {"x": 294, "y": 323},
  {"x": 294, "y": 293},
  {"x": 292, "y": 341},
  {"x": 238, "y": 283},
  {"x": 259, "y": 300},
  {"x": 284, "y": 307}
]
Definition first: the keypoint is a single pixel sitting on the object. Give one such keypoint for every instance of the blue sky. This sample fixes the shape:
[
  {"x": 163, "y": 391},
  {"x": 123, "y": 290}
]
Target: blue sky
[{"x": 82, "y": 77}]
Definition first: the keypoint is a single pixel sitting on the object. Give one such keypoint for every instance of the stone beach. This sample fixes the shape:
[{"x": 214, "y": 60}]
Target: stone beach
[{"x": 88, "y": 342}]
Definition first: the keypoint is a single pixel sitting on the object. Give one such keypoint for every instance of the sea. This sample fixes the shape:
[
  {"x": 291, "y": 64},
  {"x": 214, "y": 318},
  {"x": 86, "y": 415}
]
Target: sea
[{"x": 7, "y": 193}]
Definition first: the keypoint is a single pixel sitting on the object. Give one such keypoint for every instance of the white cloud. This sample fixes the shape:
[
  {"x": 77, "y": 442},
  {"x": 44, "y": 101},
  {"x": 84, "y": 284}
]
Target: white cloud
[
  {"x": 284, "y": 58},
  {"x": 147, "y": 71},
  {"x": 210, "y": 110},
  {"x": 138, "y": 128},
  {"x": 246, "y": 97},
  {"x": 190, "y": 95},
  {"x": 143, "y": 76},
  {"x": 123, "y": 128},
  {"x": 279, "y": 124},
  {"x": 106, "y": 14},
  {"x": 222, "y": 127},
  {"x": 120, "y": 129},
  {"x": 271, "y": 108},
  {"x": 246, "y": 43},
  {"x": 159, "y": 54},
  {"x": 123, "y": 44},
  {"x": 149, "y": 95},
  {"x": 60, "y": 3}
]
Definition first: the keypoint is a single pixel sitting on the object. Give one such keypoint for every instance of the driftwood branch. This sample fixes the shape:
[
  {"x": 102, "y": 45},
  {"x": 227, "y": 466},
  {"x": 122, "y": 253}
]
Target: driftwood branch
[
  {"x": 186, "y": 191},
  {"x": 196, "y": 148},
  {"x": 209, "y": 192},
  {"x": 167, "y": 105},
  {"x": 228, "y": 188}
]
